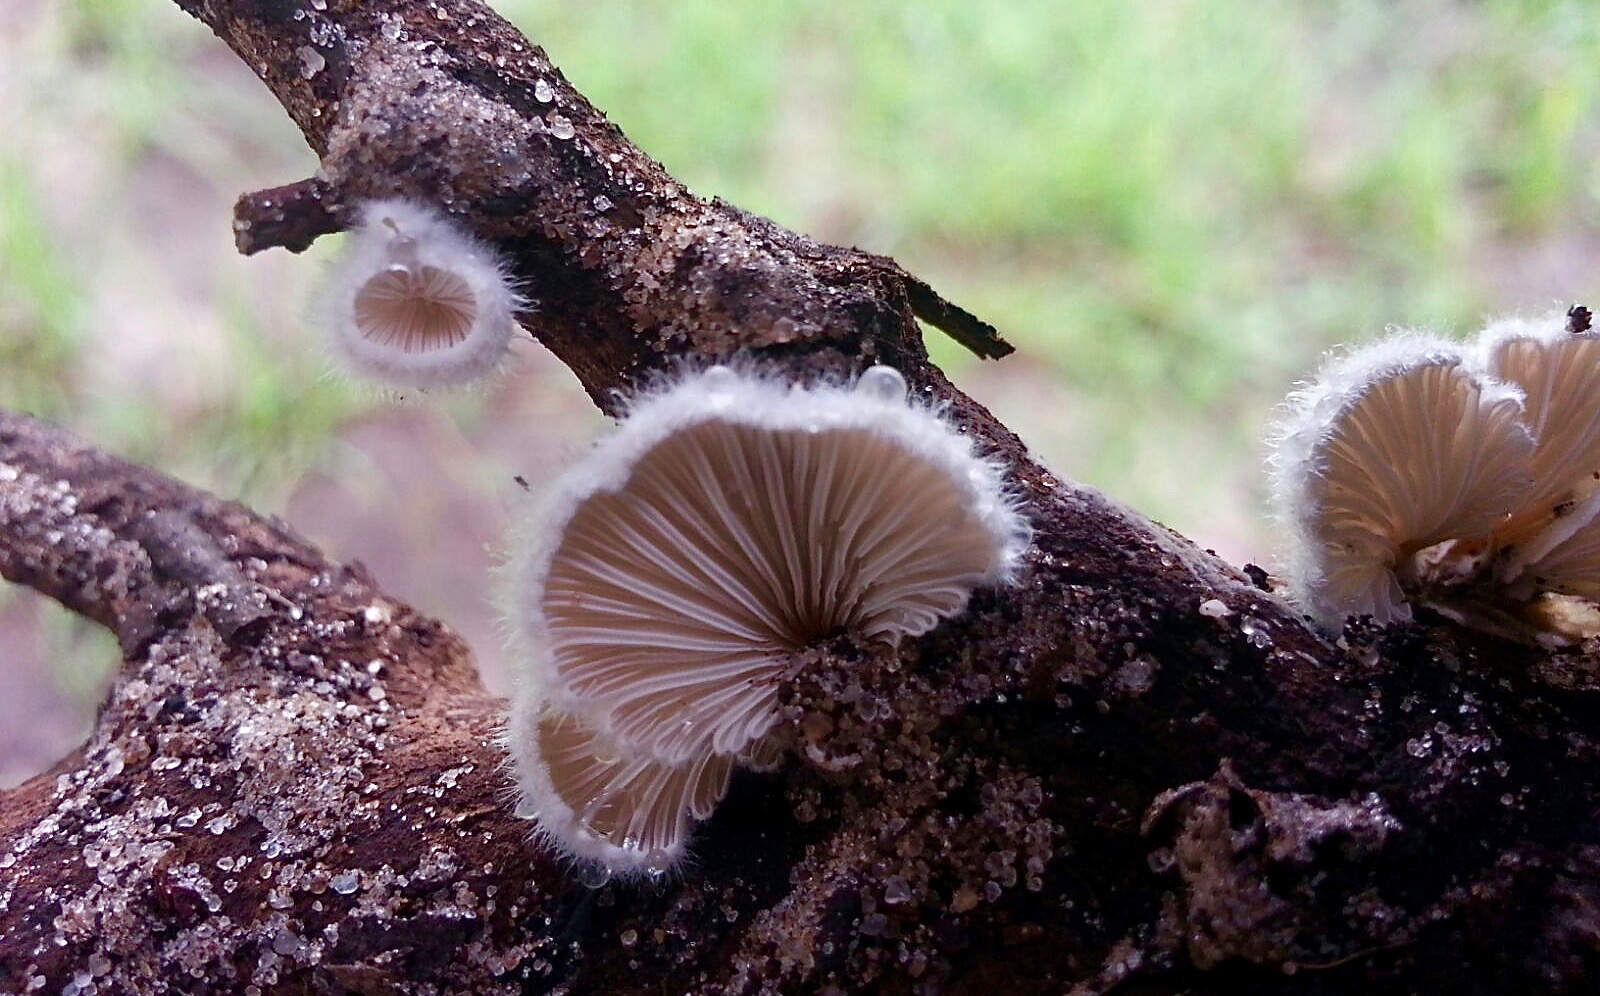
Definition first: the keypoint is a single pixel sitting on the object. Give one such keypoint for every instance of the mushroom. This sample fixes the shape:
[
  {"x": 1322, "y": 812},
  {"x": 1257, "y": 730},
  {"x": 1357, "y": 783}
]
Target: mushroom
[
  {"x": 416, "y": 301},
  {"x": 731, "y": 520},
  {"x": 1558, "y": 373},
  {"x": 1391, "y": 451},
  {"x": 1550, "y": 535}
]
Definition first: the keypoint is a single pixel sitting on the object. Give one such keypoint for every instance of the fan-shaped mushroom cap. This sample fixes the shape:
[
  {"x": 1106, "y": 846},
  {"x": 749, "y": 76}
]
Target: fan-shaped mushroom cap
[
  {"x": 732, "y": 519},
  {"x": 599, "y": 802},
  {"x": 1391, "y": 450},
  {"x": 1558, "y": 373},
  {"x": 416, "y": 301}
]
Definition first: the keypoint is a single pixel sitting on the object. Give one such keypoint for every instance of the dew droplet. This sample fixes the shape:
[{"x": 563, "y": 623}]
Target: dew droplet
[
  {"x": 542, "y": 92},
  {"x": 593, "y": 876},
  {"x": 560, "y": 127},
  {"x": 1253, "y": 632},
  {"x": 656, "y": 864},
  {"x": 591, "y": 809},
  {"x": 344, "y": 883},
  {"x": 883, "y": 383},
  {"x": 312, "y": 62},
  {"x": 606, "y": 751},
  {"x": 286, "y": 942}
]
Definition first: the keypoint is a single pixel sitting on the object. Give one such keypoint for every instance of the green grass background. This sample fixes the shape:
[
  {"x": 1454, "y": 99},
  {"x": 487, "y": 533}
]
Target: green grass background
[{"x": 1170, "y": 207}]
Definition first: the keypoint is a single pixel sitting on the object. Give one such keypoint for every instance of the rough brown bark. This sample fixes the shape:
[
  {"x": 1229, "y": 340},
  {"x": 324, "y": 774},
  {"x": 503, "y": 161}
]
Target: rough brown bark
[{"x": 1136, "y": 771}]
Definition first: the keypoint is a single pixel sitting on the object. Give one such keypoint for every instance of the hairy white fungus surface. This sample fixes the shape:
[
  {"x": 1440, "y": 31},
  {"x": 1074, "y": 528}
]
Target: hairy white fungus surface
[
  {"x": 731, "y": 520},
  {"x": 1391, "y": 450},
  {"x": 415, "y": 301}
]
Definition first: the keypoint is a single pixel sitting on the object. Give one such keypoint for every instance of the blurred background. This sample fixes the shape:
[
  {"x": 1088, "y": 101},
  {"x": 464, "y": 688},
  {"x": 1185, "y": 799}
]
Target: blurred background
[{"x": 1170, "y": 207}]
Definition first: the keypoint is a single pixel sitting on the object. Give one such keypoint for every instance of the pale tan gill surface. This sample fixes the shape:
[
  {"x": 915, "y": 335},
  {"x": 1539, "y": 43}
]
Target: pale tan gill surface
[
  {"x": 671, "y": 603},
  {"x": 1561, "y": 381},
  {"x": 1417, "y": 459},
  {"x": 415, "y": 308},
  {"x": 628, "y": 801}
]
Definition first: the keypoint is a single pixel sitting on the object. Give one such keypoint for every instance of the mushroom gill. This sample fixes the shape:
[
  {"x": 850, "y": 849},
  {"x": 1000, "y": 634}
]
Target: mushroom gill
[
  {"x": 731, "y": 520},
  {"x": 1558, "y": 373},
  {"x": 596, "y": 800},
  {"x": 415, "y": 308},
  {"x": 1393, "y": 450}
]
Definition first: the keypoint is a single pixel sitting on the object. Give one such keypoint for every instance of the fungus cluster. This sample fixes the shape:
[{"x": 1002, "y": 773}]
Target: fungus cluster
[
  {"x": 415, "y": 301},
  {"x": 731, "y": 520},
  {"x": 1462, "y": 477}
]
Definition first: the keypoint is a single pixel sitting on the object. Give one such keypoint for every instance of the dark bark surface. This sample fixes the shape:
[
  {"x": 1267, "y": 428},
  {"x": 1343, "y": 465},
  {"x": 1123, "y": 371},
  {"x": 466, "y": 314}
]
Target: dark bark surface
[{"x": 1136, "y": 771}]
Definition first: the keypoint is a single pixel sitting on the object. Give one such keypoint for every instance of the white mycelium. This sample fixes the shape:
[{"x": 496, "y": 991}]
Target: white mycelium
[
  {"x": 731, "y": 520},
  {"x": 415, "y": 301}
]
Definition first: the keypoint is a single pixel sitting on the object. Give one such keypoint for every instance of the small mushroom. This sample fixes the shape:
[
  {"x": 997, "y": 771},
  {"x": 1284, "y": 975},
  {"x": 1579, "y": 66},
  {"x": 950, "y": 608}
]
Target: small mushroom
[
  {"x": 1392, "y": 450},
  {"x": 415, "y": 301},
  {"x": 731, "y": 520},
  {"x": 1558, "y": 372}
]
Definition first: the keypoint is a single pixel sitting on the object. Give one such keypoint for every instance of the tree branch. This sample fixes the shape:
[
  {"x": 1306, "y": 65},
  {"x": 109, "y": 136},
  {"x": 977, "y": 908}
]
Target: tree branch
[
  {"x": 1136, "y": 770},
  {"x": 446, "y": 102}
]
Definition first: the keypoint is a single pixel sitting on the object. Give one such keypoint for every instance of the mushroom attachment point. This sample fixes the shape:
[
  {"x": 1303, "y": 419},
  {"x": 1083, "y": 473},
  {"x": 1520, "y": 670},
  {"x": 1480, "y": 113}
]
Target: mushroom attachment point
[
  {"x": 1392, "y": 451},
  {"x": 415, "y": 301},
  {"x": 733, "y": 519}
]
